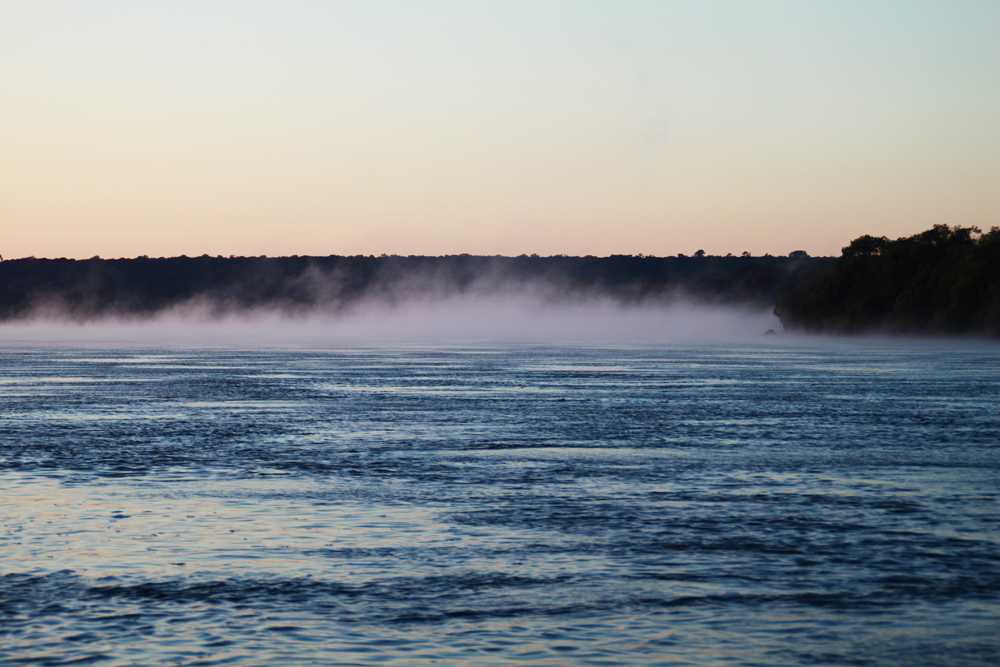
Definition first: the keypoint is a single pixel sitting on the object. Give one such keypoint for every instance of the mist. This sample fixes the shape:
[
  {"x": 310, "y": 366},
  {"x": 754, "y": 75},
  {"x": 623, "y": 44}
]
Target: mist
[{"x": 509, "y": 318}]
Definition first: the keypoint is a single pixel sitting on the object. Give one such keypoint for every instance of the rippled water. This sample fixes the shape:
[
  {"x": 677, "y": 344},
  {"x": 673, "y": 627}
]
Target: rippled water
[{"x": 778, "y": 504}]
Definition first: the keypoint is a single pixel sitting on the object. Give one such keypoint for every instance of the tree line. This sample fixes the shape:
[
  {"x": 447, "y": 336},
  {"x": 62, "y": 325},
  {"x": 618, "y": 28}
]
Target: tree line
[
  {"x": 143, "y": 287},
  {"x": 945, "y": 280}
]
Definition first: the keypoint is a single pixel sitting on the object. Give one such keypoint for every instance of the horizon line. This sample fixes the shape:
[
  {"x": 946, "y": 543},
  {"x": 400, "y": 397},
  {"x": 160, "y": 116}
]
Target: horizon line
[{"x": 794, "y": 254}]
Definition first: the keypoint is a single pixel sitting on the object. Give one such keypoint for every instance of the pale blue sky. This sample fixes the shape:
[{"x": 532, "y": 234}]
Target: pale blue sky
[{"x": 460, "y": 126}]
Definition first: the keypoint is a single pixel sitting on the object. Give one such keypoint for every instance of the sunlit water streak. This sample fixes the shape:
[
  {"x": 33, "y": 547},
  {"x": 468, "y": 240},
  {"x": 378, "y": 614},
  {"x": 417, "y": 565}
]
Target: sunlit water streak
[{"x": 778, "y": 504}]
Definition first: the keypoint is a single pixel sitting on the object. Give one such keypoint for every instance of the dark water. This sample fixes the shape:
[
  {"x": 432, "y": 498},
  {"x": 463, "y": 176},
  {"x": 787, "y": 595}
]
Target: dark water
[{"x": 768, "y": 505}]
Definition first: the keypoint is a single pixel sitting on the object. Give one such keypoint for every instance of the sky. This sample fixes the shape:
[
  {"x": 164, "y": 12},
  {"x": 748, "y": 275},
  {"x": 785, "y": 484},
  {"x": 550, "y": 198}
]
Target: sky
[{"x": 503, "y": 127}]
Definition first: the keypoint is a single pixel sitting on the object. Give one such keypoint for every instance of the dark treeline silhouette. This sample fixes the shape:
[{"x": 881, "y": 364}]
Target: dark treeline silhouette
[
  {"x": 945, "y": 280},
  {"x": 136, "y": 288}
]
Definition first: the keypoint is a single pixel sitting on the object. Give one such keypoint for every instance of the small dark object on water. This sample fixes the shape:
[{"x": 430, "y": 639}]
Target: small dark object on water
[{"x": 770, "y": 332}]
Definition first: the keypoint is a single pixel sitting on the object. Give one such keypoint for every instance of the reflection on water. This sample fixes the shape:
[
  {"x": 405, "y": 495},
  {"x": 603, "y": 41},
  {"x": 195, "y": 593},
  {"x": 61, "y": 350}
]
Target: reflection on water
[{"x": 770, "y": 504}]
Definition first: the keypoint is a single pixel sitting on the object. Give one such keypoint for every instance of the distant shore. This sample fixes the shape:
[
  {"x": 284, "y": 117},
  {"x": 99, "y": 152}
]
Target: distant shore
[{"x": 943, "y": 281}]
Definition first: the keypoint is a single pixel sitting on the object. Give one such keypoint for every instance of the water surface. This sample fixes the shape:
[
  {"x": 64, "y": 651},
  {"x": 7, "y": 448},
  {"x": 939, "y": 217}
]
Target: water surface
[{"x": 769, "y": 504}]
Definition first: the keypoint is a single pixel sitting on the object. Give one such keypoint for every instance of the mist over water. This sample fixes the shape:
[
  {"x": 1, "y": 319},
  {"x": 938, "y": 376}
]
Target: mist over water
[
  {"x": 495, "y": 481},
  {"x": 511, "y": 318},
  {"x": 557, "y": 334}
]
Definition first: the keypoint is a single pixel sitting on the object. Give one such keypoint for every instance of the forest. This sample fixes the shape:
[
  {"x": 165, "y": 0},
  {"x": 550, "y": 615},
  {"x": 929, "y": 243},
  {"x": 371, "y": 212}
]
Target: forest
[
  {"x": 83, "y": 290},
  {"x": 945, "y": 280},
  {"x": 942, "y": 281}
]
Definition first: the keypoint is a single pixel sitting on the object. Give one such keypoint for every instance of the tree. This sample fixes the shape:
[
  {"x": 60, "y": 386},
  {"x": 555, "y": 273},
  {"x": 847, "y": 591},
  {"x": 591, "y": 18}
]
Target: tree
[
  {"x": 945, "y": 280},
  {"x": 865, "y": 246}
]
